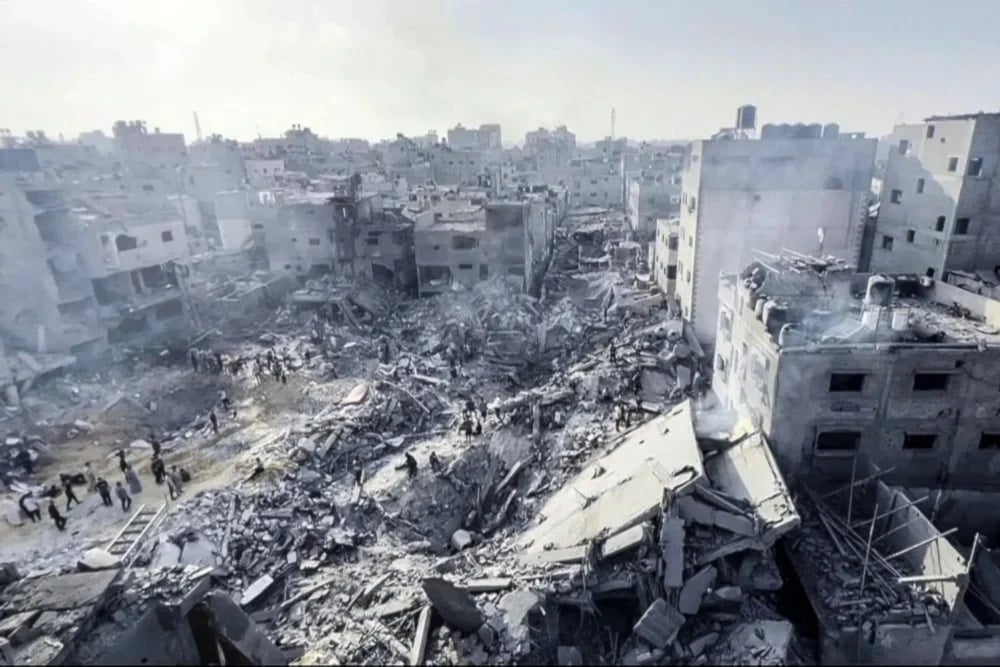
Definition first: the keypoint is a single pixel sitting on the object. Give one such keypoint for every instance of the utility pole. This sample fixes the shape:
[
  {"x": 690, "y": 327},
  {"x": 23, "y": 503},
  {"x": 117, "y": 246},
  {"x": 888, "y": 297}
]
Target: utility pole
[
  {"x": 612, "y": 122},
  {"x": 197, "y": 127}
]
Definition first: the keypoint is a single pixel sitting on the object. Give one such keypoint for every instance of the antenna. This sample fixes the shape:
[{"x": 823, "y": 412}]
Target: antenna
[
  {"x": 197, "y": 127},
  {"x": 612, "y": 122}
]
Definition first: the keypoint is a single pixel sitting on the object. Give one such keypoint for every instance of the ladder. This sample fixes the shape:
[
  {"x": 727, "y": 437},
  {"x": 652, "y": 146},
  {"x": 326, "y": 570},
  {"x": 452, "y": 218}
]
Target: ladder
[{"x": 125, "y": 544}]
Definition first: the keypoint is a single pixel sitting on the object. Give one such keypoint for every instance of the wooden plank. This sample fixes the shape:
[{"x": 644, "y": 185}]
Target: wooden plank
[{"x": 419, "y": 648}]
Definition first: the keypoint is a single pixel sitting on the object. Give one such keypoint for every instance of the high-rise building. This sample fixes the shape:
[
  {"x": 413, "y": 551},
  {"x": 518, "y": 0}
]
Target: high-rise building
[{"x": 807, "y": 195}]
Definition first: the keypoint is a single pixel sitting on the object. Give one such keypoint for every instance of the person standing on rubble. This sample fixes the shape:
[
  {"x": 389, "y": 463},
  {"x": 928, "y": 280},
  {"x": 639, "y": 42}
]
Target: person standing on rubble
[
  {"x": 193, "y": 354},
  {"x": 132, "y": 479},
  {"x": 123, "y": 496},
  {"x": 159, "y": 470},
  {"x": 385, "y": 353},
  {"x": 155, "y": 442},
  {"x": 172, "y": 488},
  {"x": 224, "y": 399},
  {"x": 104, "y": 489},
  {"x": 121, "y": 460},
  {"x": 435, "y": 462},
  {"x": 478, "y": 428},
  {"x": 212, "y": 417},
  {"x": 411, "y": 465},
  {"x": 218, "y": 362},
  {"x": 612, "y": 352},
  {"x": 70, "y": 496},
  {"x": 358, "y": 471},
  {"x": 284, "y": 377},
  {"x": 88, "y": 472},
  {"x": 29, "y": 506},
  {"x": 59, "y": 519},
  {"x": 619, "y": 417},
  {"x": 23, "y": 459}
]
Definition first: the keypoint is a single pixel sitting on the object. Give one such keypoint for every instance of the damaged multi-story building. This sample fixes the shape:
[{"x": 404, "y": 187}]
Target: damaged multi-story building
[
  {"x": 663, "y": 258},
  {"x": 155, "y": 154},
  {"x": 830, "y": 364},
  {"x": 796, "y": 187},
  {"x": 48, "y": 302},
  {"x": 651, "y": 198},
  {"x": 462, "y": 241},
  {"x": 486, "y": 138},
  {"x": 940, "y": 208}
]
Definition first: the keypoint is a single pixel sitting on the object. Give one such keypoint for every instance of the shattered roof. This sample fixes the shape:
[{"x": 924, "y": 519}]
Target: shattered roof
[{"x": 624, "y": 487}]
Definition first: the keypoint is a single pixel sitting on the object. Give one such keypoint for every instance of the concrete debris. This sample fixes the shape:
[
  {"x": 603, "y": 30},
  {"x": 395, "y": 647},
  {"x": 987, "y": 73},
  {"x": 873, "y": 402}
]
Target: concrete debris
[
  {"x": 455, "y": 606},
  {"x": 659, "y": 624},
  {"x": 569, "y": 656},
  {"x": 694, "y": 590},
  {"x": 756, "y": 643}
]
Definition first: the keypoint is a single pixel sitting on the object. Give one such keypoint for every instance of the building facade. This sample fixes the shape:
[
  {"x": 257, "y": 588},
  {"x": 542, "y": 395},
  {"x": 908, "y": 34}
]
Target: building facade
[
  {"x": 807, "y": 195},
  {"x": 940, "y": 204},
  {"x": 664, "y": 255},
  {"x": 830, "y": 364},
  {"x": 650, "y": 199},
  {"x": 486, "y": 138}
]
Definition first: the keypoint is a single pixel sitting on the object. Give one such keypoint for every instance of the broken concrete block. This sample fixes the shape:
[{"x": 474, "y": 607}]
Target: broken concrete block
[
  {"x": 659, "y": 625},
  {"x": 735, "y": 523},
  {"x": 701, "y": 644},
  {"x": 488, "y": 585},
  {"x": 256, "y": 589},
  {"x": 756, "y": 643},
  {"x": 728, "y": 594},
  {"x": 569, "y": 655},
  {"x": 694, "y": 590},
  {"x": 672, "y": 549},
  {"x": 487, "y": 635},
  {"x": 624, "y": 541},
  {"x": 8, "y": 573},
  {"x": 454, "y": 605},
  {"x": 461, "y": 539},
  {"x": 97, "y": 559},
  {"x": 517, "y": 605}
]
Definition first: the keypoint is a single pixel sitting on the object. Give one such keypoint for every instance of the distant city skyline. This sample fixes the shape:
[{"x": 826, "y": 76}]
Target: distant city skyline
[{"x": 373, "y": 69}]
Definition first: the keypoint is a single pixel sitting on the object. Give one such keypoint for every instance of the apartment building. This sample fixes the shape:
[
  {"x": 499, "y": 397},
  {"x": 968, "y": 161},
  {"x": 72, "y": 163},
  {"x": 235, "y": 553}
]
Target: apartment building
[
  {"x": 462, "y": 241},
  {"x": 595, "y": 182},
  {"x": 451, "y": 166},
  {"x": 650, "y": 199},
  {"x": 830, "y": 363},
  {"x": 663, "y": 259},
  {"x": 263, "y": 173},
  {"x": 486, "y": 138},
  {"x": 805, "y": 194},
  {"x": 135, "y": 256},
  {"x": 154, "y": 154},
  {"x": 47, "y": 303},
  {"x": 940, "y": 207}
]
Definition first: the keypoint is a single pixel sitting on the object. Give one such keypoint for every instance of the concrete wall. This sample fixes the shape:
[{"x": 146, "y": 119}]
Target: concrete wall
[
  {"x": 649, "y": 201},
  {"x": 767, "y": 195},
  {"x": 664, "y": 260},
  {"x": 456, "y": 167},
  {"x": 263, "y": 172},
  {"x": 596, "y": 184},
  {"x": 436, "y": 248},
  {"x": 156, "y": 243},
  {"x": 301, "y": 237}
]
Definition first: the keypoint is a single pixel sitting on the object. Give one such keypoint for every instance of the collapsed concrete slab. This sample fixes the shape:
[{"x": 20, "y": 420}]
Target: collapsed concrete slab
[{"x": 660, "y": 455}]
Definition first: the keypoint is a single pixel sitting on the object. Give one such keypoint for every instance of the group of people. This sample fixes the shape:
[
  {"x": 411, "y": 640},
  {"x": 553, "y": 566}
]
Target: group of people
[{"x": 473, "y": 417}]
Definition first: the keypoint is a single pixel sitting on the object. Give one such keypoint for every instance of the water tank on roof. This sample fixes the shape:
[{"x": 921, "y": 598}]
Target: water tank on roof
[
  {"x": 746, "y": 117},
  {"x": 767, "y": 131},
  {"x": 831, "y": 131},
  {"x": 814, "y": 131}
]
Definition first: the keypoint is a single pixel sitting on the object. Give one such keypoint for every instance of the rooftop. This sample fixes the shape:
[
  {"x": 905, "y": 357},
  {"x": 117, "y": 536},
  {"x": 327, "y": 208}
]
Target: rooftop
[{"x": 824, "y": 302}]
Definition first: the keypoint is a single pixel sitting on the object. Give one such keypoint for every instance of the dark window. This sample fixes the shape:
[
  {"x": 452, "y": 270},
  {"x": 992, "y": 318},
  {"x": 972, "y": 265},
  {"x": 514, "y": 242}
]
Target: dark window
[
  {"x": 169, "y": 309},
  {"x": 989, "y": 440},
  {"x": 720, "y": 364},
  {"x": 687, "y": 276},
  {"x": 953, "y": 164},
  {"x": 399, "y": 238},
  {"x": 920, "y": 185},
  {"x": 930, "y": 132},
  {"x": 930, "y": 381},
  {"x": 896, "y": 196},
  {"x": 886, "y": 242},
  {"x": 673, "y": 243},
  {"x": 939, "y": 225},
  {"x": 975, "y": 167},
  {"x": 904, "y": 146},
  {"x": 929, "y": 272},
  {"x": 167, "y": 236},
  {"x": 464, "y": 242},
  {"x": 147, "y": 187},
  {"x": 910, "y": 235},
  {"x": 961, "y": 225},
  {"x": 671, "y": 272},
  {"x": 919, "y": 441},
  {"x": 126, "y": 242},
  {"x": 257, "y": 226},
  {"x": 516, "y": 271},
  {"x": 465, "y": 267},
  {"x": 484, "y": 271},
  {"x": 838, "y": 441},
  {"x": 372, "y": 240},
  {"x": 313, "y": 241},
  {"x": 847, "y": 381}
]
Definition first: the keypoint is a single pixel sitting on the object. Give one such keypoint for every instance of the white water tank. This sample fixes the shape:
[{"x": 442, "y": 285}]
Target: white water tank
[{"x": 900, "y": 319}]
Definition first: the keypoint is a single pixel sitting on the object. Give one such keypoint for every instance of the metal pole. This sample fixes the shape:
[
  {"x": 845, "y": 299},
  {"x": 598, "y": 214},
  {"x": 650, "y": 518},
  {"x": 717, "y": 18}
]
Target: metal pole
[
  {"x": 909, "y": 504},
  {"x": 921, "y": 543},
  {"x": 860, "y": 481},
  {"x": 868, "y": 551},
  {"x": 850, "y": 498}
]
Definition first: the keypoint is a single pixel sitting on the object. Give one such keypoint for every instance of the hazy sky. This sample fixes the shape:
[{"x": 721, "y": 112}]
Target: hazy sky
[{"x": 371, "y": 68}]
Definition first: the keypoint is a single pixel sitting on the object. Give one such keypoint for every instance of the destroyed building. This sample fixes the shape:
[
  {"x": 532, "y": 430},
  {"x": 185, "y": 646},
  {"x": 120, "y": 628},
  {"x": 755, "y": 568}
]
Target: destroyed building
[
  {"x": 463, "y": 241},
  {"x": 649, "y": 199},
  {"x": 663, "y": 258},
  {"x": 150, "y": 154},
  {"x": 48, "y": 302},
  {"x": 830, "y": 363}
]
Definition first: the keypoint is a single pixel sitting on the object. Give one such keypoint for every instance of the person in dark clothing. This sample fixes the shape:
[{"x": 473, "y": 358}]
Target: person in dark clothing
[
  {"x": 483, "y": 410},
  {"x": 218, "y": 361},
  {"x": 270, "y": 358},
  {"x": 122, "y": 463},
  {"x": 56, "y": 516},
  {"x": 284, "y": 377},
  {"x": 24, "y": 460},
  {"x": 411, "y": 465},
  {"x": 308, "y": 354},
  {"x": 159, "y": 469},
  {"x": 70, "y": 496},
  {"x": 613, "y": 353},
  {"x": 358, "y": 472},
  {"x": 498, "y": 414},
  {"x": 385, "y": 355},
  {"x": 479, "y": 427},
  {"x": 224, "y": 399},
  {"x": 194, "y": 360},
  {"x": 155, "y": 442},
  {"x": 620, "y": 418},
  {"x": 123, "y": 496},
  {"x": 467, "y": 429},
  {"x": 258, "y": 469},
  {"x": 104, "y": 489},
  {"x": 30, "y": 507},
  {"x": 435, "y": 462},
  {"x": 184, "y": 475},
  {"x": 215, "y": 421}
]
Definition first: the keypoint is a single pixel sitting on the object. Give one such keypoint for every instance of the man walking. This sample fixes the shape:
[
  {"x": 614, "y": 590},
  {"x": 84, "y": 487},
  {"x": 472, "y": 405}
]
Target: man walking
[
  {"x": 70, "y": 496},
  {"x": 123, "y": 496},
  {"x": 59, "y": 519},
  {"x": 104, "y": 489}
]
